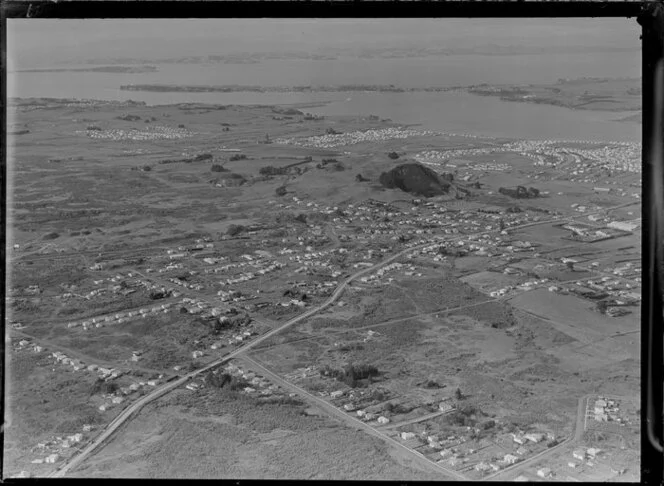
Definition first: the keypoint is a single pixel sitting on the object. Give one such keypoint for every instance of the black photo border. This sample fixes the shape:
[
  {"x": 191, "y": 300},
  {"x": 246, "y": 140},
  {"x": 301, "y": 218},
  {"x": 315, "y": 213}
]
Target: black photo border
[{"x": 650, "y": 15}]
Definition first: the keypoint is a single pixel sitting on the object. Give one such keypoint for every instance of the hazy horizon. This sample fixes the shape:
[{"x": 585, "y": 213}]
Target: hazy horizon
[{"x": 73, "y": 41}]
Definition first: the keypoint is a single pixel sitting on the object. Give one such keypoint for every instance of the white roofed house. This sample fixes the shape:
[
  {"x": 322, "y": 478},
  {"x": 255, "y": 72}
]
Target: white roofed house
[
  {"x": 579, "y": 454},
  {"x": 510, "y": 459},
  {"x": 519, "y": 439},
  {"x": 444, "y": 406},
  {"x": 534, "y": 437}
]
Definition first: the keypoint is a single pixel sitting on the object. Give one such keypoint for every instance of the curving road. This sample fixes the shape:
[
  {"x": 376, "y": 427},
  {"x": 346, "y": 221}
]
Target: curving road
[{"x": 136, "y": 406}]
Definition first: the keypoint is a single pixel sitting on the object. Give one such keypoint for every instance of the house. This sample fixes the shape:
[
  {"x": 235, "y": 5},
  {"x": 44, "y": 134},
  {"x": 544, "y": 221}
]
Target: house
[
  {"x": 52, "y": 458},
  {"x": 383, "y": 420},
  {"x": 519, "y": 439},
  {"x": 407, "y": 435},
  {"x": 579, "y": 454},
  {"x": 510, "y": 459},
  {"x": 532, "y": 437},
  {"x": 521, "y": 479},
  {"x": 593, "y": 452},
  {"x": 336, "y": 394},
  {"x": 444, "y": 407},
  {"x": 572, "y": 464},
  {"x": 545, "y": 472},
  {"x": 482, "y": 467}
]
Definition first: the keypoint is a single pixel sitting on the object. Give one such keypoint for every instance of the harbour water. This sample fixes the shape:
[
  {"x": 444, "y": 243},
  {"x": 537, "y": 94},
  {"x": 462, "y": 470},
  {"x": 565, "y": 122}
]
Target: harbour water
[{"x": 571, "y": 48}]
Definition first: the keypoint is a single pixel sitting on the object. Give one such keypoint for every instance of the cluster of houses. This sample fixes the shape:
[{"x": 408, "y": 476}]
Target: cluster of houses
[
  {"x": 253, "y": 275},
  {"x": 235, "y": 339},
  {"x": 231, "y": 296},
  {"x": 619, "y": 157},
  {"x": 257, "y": 385},
  {"x": 486, "y": 467},
  {"x": 532, "y": 437},
  {"x": 606, "y": 409},
  {"x": 28, "y": 344},
  {"x": 111, "y": 400},
  {"x": 351, "y": 138},
  {"x": 378, "y": 275},
  {"x": 525, "y": 286},
  {"x": 148, "y": 134},
  {"x": 104, "y": 373},
  {"x": 57, "y": 446},
  {"x": 311, "y": 258},
  {"x": 212, "y": 261},
  {"x": 626, "y": 270},
  {"x": 169, "y": 267},
  {"x": 543, "y": 152},
  {"x": 584, "y": 454},
  {"x": 579, "y": 163},
  {"x": 123, "y": 316},
  {"x": 205, "y": 309},
  {"x": 187, "y": 285}
]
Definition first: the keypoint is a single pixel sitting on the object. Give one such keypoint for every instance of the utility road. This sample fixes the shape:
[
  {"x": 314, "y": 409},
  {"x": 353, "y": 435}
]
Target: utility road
[
  {"x": 578, "y": 433},
  {"x": 349, "y": 419}
]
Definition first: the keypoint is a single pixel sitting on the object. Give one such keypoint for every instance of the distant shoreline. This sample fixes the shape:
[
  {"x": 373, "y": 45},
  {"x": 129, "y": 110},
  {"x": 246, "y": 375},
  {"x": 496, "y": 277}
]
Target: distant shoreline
[
  {"x": 98, "y": 69},
  {"x": 598, "y": 94},
  {"x": 240, "y": 88}
]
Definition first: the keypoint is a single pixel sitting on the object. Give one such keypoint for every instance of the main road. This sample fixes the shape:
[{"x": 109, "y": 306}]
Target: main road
[
  {"x": 128, "y": 412},
  {"x": 334, "y": 411}
]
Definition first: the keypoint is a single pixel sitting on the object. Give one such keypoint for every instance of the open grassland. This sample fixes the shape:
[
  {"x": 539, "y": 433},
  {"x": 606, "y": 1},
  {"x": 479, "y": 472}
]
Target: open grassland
[{"x": 237, "y": 437}]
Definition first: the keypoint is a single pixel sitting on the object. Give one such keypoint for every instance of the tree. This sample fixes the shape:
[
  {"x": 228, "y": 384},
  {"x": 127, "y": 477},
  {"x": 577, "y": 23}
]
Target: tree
[
  {"x": 570, "y": 265},
  {"x": 393, "y": 155},
  {"x": 280, "y": 191},
  {"x": 602, "y": 306},
  {"x": 458, "y": 395},
  {"x": 502, "y": 224},
  {"x": 234, "y": 229}
]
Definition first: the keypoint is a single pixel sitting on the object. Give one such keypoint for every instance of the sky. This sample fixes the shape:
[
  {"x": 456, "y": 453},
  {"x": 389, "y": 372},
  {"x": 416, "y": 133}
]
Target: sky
[{"x": 38, "y": 42}]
